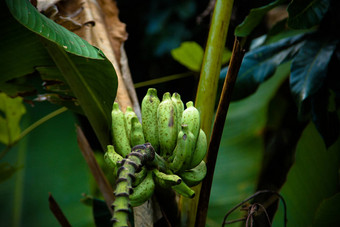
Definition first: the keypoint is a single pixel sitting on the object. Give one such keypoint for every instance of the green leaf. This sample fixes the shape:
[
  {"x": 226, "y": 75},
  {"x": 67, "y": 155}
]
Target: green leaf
[
  {"x": 326, "y": 119},
  {"x": 87, "y": 72},
  {"x": 239, "y": 159},
  {"x": 6, "y": 171},
  {"x": 11, "y": 111},
  {"x": 305, "y": 13},
  {"x": 95, "y": 101},
  {"x": 261, "y": 63},
  {"x": 27, "y": 15},
  {"x": 254, "y": 18},
  {"x": 280, "y": 30},
  {"x": 313, "y": 178},
  {"x": 51, "y": 162},
  {"x": 101, "y": 214},
  {"x": 309, "y": 68},
  {"x": 327, "y": 213},
  {"x": 189, "y": 54}
]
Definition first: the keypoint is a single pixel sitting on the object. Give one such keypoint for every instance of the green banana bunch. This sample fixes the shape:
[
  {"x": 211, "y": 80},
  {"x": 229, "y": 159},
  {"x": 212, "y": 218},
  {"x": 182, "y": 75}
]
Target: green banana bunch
[
  {"x": 150, "y": 105},
  {"x": 184, "y": 149},
  {"x": 168, "y": 149},
  {"x": 167, "y": 125},
  {"x": 137, "y": 135},
  {"x": 143, "y": 191},
  {"x": 200, "y": 150},
  {"x": 193, "y": 177},
  {"x": 121, "y": 141},
  {"x": 176, "y": 99},
  {"x": 128, "y": 115},
  {"x": 165, "y": 180},
  {"x": 191, "y": 117}
]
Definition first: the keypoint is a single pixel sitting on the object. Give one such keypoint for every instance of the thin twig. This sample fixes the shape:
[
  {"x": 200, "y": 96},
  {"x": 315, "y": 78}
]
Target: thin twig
[
  {"x": 32, "y": 127},
  {"x": 102, "y": 182},
  {"x": 251, "y": 197},
  {"x": 215, "y": 139},
  {"x": 57, "y": 212}
]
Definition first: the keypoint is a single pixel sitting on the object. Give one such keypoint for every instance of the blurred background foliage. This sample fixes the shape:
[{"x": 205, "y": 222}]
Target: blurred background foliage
[{"x": 48, "y": 159}]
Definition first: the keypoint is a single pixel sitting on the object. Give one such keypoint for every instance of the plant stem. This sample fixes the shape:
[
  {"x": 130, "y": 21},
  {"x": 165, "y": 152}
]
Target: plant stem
[
  {"x": 162, "y": 80},
  {"x": 207, "y": 87},
  {"x": 32, "y": 127},
  {"x": 211, "y": 66},
  {"x": 217, "y": 131},
  {"x": 19, "y": 184},
  {"x": 41, "y": 121}
]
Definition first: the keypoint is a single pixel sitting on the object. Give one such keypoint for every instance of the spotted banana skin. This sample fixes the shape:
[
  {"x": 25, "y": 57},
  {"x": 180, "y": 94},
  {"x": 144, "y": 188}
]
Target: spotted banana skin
[
  {"x": 128, "y": 115},
  {"x": 150, "y": 105},
  {"x": 120, "y": 138},
  {"x": 167, "y": 125},
  {"x": 137, "y": 135},
  {"x": 184, "y": 150},
  {"x": 176, "y": 99}
]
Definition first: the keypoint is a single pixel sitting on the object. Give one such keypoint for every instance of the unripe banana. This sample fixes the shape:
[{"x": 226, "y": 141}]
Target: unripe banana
[
  {"x": 137, "y": 135},
  {"x": 112, "y": 159},
  {"x": 167, "y": 125},
  {"x": 176, "y": 98},
  {"x": 184, "y": 190},
  {"x": 164, "y": 180},
  {"x": 200, "y": 150},
  {"x": 120, "y": 140},
  {"x": 143, "y": 191},
  {"x": 150, "y": 105},
  {"x": 191, "y": 117},
  {"x": 193, "y": 177},
  {"x": 184, "y": 149},
  {"x": 139, "y": 177},
  {"x": 128, "y": 115}
]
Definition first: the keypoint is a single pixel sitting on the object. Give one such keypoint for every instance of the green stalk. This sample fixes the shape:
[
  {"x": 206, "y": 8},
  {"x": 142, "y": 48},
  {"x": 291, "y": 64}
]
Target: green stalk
[
  {"x": 207, "y": 87},
  {"x": 31, "y": 128},
  {"x": 211, "y": 67}
]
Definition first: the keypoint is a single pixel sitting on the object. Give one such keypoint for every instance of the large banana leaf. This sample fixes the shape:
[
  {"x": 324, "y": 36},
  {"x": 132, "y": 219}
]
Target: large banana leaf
[
  {"x": 306, "y": 13},
  {"x": 313, "y": 179},
  {"x": 29, "y": 40},
  {"x": 254, "y": 18}
]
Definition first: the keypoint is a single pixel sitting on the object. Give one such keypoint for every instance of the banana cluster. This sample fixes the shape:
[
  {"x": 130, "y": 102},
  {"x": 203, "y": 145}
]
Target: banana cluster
[{"x": 175, "y": 136}]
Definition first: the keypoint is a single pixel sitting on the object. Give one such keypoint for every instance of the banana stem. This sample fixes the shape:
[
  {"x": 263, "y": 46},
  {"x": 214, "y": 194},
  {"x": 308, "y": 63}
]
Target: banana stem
[
  {"x": 217, "y": 131},
  {"x": 207, "y": 87},
  {"x": 139, "y": 156}
]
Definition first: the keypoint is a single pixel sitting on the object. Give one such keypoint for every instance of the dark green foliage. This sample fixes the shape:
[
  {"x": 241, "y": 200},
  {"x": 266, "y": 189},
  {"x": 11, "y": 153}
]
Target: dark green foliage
[
  {"x": 71, "y": 60},
  {"x": 310, "y": 54}
]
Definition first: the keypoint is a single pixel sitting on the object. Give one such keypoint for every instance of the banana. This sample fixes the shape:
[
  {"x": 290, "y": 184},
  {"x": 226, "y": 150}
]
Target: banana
[
  {"x": 193, "y": 177},
  {"x": 184, "y": 190},
  {"x": 139, "y": 177},
  {"x": 176, "y": 99},
  {"x": 184, "y": 149},
  {"x": 120, "y": 140},
  {"x": 128, "y": 115},
  {"x": 137, "y": 136},
  {"x": 164, "y": 180},
  {"x": 191, "y": 117},
  {"x": 112, "y": 159},
  {"x": 143, "y": 191},
  {"x": 150, "y": 105},
  {"x": 167, "y": 125},
  {"x": 200, "y": 150}
]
